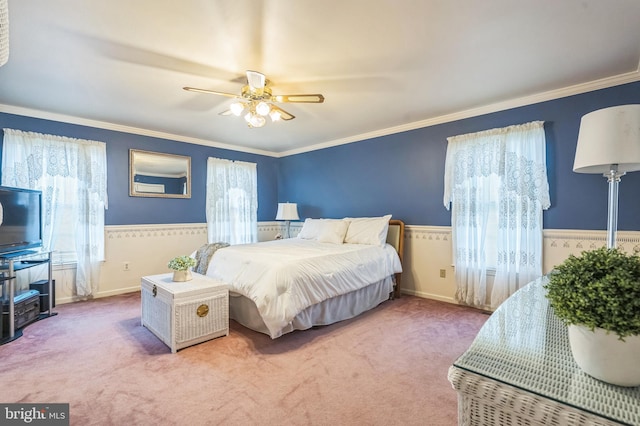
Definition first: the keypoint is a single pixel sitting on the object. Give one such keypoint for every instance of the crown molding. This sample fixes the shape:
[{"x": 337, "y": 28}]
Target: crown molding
[
  {"x": 577, "y": 89},
  {"x": 44, "y": 115}
]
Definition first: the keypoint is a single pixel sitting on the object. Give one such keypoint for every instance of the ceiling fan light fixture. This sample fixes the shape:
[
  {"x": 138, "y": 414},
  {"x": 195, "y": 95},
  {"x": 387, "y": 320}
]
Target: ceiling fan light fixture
[
  {"x": 263, "y": 108},
  {"x": 275, "y": 115},
  {"x": 236, "y": 108},
  {"x": 254, "y": 120},
  {"x": 258, "y": 121},
  {"x": 256, "y": 100}
]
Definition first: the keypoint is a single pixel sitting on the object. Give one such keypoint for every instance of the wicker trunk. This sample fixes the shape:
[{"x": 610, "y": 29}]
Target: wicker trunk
[{"x": 182, "y": 314}]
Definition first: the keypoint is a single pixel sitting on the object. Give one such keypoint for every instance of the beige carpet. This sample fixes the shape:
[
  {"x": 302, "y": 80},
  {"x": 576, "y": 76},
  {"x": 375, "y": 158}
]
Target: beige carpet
[{"x": 385, "y": 367}]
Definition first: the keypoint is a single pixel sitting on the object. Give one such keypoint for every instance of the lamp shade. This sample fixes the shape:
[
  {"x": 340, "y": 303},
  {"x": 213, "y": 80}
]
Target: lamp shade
[
  {"x": 609, "y": 136},
  {"x": 287, "y": 211}
]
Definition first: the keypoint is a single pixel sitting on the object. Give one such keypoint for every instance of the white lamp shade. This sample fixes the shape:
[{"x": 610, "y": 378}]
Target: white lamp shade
[
  {"x": 275, "y": 115},
  {"x": 263, "y": 108},
  {"x": 236, "y": 108},
  {"x": 609, "y": 136},
  {"x": 287, "y": 211}
]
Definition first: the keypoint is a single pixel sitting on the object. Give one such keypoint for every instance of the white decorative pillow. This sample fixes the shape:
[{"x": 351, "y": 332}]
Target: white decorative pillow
[
  {"x": 324, "y": 230},
  {"x": 368, "y": 230},
  {"x": 332, "y": 231},
  {"x": 310, "y": 229}
]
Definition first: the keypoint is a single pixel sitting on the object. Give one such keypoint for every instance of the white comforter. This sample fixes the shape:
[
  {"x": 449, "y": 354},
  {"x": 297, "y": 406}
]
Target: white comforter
[{"x": 284, "y": 277}]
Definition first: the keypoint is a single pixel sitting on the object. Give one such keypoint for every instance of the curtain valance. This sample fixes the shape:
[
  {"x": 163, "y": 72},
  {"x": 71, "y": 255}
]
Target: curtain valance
[{"x": 517, "y": 150}]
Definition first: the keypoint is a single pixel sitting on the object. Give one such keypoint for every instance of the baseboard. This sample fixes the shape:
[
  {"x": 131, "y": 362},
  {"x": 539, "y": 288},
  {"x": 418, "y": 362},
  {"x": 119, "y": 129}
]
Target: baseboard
[
  {"x": 431, "y": 296},
  {"x": 98, "y": 295}
]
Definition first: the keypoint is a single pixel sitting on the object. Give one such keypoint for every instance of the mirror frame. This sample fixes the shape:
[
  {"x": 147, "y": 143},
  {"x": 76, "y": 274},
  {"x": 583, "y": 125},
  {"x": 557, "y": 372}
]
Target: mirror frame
[{"x": 136, "y": 154}]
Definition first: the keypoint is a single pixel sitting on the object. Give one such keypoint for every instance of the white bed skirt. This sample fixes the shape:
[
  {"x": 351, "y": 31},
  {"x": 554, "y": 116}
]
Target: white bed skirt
[{"x": 244, "y": 311}]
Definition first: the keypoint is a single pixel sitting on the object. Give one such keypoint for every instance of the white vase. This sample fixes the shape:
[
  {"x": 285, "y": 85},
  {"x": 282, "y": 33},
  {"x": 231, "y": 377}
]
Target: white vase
[
  {"x": 603, "y": 356},
  {"x": 181, "y": 276}
]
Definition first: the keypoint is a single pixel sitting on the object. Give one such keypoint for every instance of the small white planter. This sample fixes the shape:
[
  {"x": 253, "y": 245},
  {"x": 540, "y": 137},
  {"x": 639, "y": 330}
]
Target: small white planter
[
  {"x": 605, "y": 357},
  {"x": 181, "y": 276}
]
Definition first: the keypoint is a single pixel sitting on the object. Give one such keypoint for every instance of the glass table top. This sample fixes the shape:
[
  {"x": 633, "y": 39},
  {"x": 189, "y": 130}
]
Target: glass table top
[{"x": 523, "y": 344}]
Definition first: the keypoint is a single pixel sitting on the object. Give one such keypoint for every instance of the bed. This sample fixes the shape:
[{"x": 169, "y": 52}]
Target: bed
[{"x": 335, "y": 269}]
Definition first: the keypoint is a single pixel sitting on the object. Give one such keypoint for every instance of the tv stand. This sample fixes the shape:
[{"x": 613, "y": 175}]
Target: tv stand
[
  {"x": 10, "y": 263},
  {"x": 21, "y": 253}
]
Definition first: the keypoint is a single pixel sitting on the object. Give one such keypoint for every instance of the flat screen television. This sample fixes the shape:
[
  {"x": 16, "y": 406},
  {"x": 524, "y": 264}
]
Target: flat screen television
[{"x": 20, "y": 219}]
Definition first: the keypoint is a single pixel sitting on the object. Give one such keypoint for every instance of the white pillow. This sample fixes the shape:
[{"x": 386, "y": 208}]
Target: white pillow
[
  {"x": 324, "y": 230},
  {"x": 310, "y": 229},
  {"x": 368, "y": 230},
  {"x": 332, "y": 231}
]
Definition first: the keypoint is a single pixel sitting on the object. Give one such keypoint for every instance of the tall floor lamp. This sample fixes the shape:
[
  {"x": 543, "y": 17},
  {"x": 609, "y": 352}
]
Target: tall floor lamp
[
  {"x": 609, "y": 143},
  {"x": 287, "y": 212}
]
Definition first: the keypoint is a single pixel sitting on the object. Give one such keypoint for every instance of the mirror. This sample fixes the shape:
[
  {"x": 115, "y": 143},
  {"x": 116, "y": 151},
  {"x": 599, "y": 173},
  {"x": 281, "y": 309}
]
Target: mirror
[{"x": 155, "y": 174}]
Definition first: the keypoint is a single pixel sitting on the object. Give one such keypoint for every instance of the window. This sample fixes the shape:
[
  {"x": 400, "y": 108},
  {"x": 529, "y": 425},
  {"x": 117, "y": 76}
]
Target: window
[
  {"x": 491, "y": 244},
  {"x": 61, "y": 220},
  {"x": 496, "y": 183},
  {"x": 72, "y": 175},
  {"x": 232, "y": 201}
]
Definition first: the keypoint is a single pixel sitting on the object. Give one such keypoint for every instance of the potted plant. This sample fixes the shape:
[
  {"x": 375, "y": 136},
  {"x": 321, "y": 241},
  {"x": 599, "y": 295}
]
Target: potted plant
[
  {"x": 180, "y": 266},
  {"x": 597, "y": 294}
]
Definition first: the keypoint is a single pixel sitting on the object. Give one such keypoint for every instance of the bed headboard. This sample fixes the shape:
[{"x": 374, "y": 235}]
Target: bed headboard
[{"x": 395, "y": 237}]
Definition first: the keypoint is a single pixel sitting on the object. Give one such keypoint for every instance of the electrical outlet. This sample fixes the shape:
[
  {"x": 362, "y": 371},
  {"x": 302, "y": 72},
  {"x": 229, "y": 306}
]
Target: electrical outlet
[
  {"x": 126, "y": 266},
  {"x": 443, "y": 273}
]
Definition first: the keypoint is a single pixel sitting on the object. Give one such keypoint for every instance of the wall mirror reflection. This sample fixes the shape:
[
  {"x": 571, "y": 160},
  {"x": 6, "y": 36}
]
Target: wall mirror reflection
[{"x": 156, "y": 174}]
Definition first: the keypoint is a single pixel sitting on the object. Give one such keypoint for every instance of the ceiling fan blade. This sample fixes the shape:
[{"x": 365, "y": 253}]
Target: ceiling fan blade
[
  {"x": 210, "y": 92},
  {"x": 309, "y": 98},
  {"x": 284, "y": 115},
  {"x": 226, "y": 112}
]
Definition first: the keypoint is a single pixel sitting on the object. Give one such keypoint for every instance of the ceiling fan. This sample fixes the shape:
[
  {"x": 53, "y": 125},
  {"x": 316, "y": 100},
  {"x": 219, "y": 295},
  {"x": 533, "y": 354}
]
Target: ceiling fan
[{"x": 257, "y": 101}]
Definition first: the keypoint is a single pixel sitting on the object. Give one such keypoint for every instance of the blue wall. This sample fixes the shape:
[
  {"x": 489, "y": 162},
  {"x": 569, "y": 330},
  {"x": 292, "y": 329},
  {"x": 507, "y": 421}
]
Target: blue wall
[
  {"x": 403, "y": 174},
  {"x": 400, "y": 174},
  {"x": 126, "y": 210}
]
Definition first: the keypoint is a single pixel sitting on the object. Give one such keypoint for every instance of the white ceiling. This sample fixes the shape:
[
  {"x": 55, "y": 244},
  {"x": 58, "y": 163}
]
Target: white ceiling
[{"x": 383, "y": 66}]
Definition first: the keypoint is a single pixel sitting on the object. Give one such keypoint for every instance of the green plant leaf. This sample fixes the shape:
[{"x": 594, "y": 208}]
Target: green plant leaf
[
  {"x": 600, "y": 288},
  {"x": 181, "y": 263}
]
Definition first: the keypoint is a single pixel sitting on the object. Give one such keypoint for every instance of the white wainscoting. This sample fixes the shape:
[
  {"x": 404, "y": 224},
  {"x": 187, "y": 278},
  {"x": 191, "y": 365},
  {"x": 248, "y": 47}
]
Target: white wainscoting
[
  {"x": 560, "y": 243},
  {"x": 148, "y": 248},
  {"x": 428, "y": 251},
  {"x": 145, "y": 248}
]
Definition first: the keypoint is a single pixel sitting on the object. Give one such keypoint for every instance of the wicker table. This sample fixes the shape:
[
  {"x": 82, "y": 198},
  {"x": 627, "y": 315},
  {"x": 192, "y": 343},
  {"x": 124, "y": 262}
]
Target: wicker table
[
  {"x": 519, "y": 370},
  {"x": 182, "y": 314}
]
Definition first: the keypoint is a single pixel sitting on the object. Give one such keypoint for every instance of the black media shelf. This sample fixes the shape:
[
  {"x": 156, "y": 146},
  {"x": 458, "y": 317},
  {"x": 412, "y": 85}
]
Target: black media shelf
[
  {"x": 10, "y": 264},
  {"x": 18, "y": 332}
]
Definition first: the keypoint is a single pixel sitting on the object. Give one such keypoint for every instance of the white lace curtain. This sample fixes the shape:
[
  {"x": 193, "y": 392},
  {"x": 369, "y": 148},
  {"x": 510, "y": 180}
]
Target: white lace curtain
[
  {"x": 232, "y": 201},
  {"x": 496, "y": 182},
  {"x": 72, "y": 175}
]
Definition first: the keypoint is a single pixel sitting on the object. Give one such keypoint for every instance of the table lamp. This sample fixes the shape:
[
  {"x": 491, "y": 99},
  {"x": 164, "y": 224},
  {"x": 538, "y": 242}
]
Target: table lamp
[
  {"x": 609, "y": 143},
  {"x": 287, "y": 212}
]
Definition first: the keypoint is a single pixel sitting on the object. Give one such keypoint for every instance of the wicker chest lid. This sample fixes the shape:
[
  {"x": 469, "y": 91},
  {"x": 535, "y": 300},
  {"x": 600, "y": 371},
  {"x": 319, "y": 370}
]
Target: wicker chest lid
[{"x": 164, "y": 284}]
